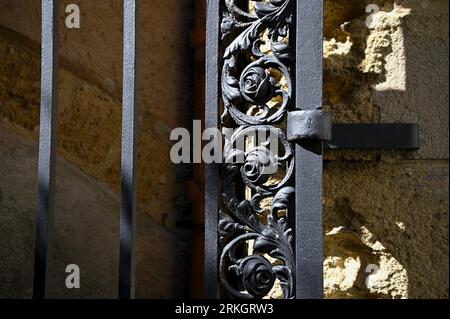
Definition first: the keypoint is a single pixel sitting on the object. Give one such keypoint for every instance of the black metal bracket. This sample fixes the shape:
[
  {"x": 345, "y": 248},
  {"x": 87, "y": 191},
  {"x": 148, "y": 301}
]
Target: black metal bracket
[
  {"x": 309, "y": 124},
  {"x": 386, "y": 136},
  {"x": 317, "y": 125}
]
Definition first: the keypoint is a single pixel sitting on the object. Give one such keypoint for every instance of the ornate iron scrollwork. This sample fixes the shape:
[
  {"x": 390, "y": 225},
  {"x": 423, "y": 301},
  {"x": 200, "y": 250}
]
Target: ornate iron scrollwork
[{"x": 255, "y": 237}]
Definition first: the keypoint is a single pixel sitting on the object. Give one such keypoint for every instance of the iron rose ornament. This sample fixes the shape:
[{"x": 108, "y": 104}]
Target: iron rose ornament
[{"x": 256, "y": 241}]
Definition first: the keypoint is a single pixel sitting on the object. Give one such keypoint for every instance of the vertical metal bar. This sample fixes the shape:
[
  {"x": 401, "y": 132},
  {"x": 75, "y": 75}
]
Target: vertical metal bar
[
  {"x": 211, "y": 170},
  {"x": 47, "y": 136},
  {"x": 309, "y": 170},
  {"x": 128, "y": 171}
]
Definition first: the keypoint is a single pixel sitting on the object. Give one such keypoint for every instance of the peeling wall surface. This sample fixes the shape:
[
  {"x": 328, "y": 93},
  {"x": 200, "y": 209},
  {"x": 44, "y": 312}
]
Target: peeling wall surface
[{"x": 386, "y": 212}]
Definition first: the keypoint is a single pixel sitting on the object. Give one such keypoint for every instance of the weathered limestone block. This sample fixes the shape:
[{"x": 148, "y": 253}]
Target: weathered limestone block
[
  {"x": 89, "y": 132},
  {"x": 415, "y": 84},
  {"x": 94, "y": 52},
  {"x": 86, "y": 233},
  {"x": 394, "y": 215},
  {"x": 394, "y": 211}
]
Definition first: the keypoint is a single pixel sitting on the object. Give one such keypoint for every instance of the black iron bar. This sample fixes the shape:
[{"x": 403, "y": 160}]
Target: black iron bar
[
  {"x": 211, "y": 171},
  {"x": 129, "y": 150},
  {"x": 47, "y": 140},
  {"x": 309, "y": 154}
]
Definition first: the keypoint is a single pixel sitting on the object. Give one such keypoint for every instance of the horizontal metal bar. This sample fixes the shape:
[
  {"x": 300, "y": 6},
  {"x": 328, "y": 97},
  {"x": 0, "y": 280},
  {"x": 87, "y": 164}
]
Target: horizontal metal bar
[
  {"x": 47, "y": 141},
  {"x": 387, "y": 136}
]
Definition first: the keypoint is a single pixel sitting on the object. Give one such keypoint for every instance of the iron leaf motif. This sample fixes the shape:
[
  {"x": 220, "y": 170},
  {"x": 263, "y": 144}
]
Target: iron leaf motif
[{"x": 256, "y": 241}]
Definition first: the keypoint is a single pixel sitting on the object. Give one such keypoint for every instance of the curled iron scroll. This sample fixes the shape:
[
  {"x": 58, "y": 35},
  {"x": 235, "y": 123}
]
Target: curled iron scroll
[{"x": 256, "y": 240}]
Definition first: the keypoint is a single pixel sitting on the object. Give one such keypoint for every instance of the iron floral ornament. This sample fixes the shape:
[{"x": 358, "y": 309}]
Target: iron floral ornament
[{"x": 255, "y": 239}]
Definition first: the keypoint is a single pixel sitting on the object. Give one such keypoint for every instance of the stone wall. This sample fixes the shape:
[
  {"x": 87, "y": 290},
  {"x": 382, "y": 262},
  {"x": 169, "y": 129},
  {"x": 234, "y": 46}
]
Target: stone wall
[
  {"x": 89, "y": 143},
  {"x": 86, "y": 232},
  {"x": 90, "y": 90},
  {"x": 388, "y": 209}
]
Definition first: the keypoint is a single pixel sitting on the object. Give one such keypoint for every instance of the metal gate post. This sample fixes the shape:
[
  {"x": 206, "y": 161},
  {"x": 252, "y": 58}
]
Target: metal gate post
[
  {"x": 308, "y": 152},
  {"x": 47, "y": 140},
  {"x": 211, "y": 170},
  {"x": 129, "y": 151},
  {"x": 212, "y": 192}
]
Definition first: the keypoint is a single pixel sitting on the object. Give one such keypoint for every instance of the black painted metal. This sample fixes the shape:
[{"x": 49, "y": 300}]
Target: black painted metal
[
  {"x": 129, "y": 151},
  {"x": 299, "y": 268},
  {"x": 308, "y": 153},
  {"x": 309, "y": 124},
  {"x": 212, "y": 170},
  {"x": 46, "y": 170},
  {"x": 251, "y": 78},
  {"x": 395, "y": 136}
]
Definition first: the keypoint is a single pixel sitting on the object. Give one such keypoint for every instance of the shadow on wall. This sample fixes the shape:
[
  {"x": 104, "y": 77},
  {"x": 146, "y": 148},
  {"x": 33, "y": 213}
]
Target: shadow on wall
[
  {"x": 89, "y": 118},
  {"x": 86, "y": 233},
  {"x": 388, "y": 211}
]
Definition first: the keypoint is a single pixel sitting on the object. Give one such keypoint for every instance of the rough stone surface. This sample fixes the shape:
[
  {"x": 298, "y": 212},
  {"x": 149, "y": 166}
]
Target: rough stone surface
[
  {"x": 91, "y": 90},
  {"x": 386, "y": 208},
  {"x": 86, "y": 233},
  {"x": 393, "y": 215},
  {"x": 89, "y": 132},
  {"x": 94, "y": 52},
  {"x": 378, "y": 71},
  {"x": 415, "y": 86}
]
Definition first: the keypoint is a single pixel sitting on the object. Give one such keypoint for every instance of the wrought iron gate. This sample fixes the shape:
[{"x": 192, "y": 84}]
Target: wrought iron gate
[
  {"x": 264, "y": 74},
  {"x": 253, "y": 245}
]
